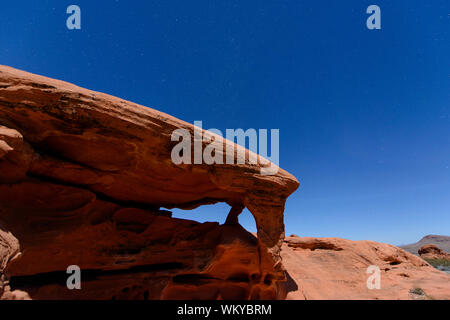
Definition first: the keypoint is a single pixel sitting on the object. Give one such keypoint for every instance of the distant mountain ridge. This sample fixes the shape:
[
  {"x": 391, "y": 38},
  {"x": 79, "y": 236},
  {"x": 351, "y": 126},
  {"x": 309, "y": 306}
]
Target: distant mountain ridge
[{"x": 443, "y": 242}]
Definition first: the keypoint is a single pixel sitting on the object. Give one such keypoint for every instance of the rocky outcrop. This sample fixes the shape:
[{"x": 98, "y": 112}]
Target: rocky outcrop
[
  {"x": 442, "y": 242},
  {"x": 9, "y": 249},
  {"x": 431, "y": 251},
  {"x": 334, "y": 268},
  {"x": 85, "y": 179}
]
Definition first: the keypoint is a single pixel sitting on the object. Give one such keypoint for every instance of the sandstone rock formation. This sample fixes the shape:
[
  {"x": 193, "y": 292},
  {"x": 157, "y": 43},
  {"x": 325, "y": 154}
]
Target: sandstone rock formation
[
  {"x": 431, "y": 251},
  {"x": 83, "y": 180},
  {"x": 333, "y": 268},
  {"x": 441, "y": 241},
  {"x": 9, "y": 249}
]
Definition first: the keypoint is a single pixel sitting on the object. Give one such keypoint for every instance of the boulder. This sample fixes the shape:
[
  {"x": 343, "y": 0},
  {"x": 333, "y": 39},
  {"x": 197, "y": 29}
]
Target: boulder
[{"x": 431, "y": 251}]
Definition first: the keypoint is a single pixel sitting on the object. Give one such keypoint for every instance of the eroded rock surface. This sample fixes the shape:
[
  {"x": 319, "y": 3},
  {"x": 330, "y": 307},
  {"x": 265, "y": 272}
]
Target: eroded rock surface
[
  {"x": 335, "y": 269},
  {"x": 431, "y": 251},
  {"x": 9, "y": 250},
  {"x": 83, "y": 180}
]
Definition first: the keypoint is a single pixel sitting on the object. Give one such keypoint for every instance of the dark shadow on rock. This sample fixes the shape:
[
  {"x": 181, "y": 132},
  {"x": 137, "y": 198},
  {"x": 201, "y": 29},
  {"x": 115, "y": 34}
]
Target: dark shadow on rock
[{"x": 290, "y": 284}]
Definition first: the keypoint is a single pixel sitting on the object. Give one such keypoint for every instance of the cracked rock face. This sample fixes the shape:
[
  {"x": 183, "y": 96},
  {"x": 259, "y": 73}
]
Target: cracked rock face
[{"x": 84, "y": 178}]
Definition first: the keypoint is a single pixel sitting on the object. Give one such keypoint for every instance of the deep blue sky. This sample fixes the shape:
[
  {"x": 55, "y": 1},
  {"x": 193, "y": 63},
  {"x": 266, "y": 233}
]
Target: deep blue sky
[{"x": 364, "y": 116}]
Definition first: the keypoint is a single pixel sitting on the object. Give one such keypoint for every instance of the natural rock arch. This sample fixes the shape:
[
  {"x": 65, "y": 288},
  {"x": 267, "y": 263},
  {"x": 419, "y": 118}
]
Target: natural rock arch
[{"x": 73, "y": 160}]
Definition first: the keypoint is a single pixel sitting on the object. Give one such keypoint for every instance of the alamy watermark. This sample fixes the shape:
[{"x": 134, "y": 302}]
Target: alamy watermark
[
  {"x": 73, "y": 22},
  {"x": 210, "y": 147},
  {"x": 374, "y": 280},
  {"x": 374, "y": 20},
  {"x": 74, "y": 280}
]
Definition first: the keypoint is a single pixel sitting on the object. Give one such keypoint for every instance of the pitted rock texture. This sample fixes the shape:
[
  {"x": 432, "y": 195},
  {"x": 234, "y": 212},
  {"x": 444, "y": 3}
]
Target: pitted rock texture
[
  {"x": 9, "y": 250},
  {"x": 83, "y": 178}
]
